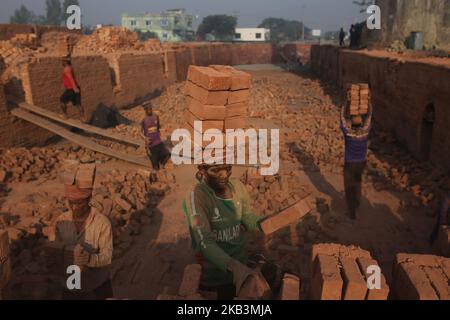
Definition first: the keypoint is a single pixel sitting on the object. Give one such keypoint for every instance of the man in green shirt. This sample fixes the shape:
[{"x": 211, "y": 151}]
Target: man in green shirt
[{"x": 218, "y": 212}]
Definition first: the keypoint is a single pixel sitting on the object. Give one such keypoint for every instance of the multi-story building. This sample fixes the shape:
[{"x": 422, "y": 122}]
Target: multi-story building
[{"x": 170, "y": 25}]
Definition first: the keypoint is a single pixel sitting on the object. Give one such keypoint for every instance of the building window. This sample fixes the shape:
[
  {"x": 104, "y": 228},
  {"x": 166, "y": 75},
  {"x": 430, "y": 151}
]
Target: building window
[
  {"x": 148, "y": 22},
  {"x": 237, "y": 35},
  {"x": 165, "y": 35},
  {"x": 258, "y": 36},
  {"x": 133, "y": 22},
  {"x": 164, "y": 23}
]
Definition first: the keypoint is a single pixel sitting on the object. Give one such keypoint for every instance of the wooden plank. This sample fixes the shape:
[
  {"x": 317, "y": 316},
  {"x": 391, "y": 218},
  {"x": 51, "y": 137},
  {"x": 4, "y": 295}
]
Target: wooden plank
[
  {"x": 77, "y": 139},
  {"x": 77, "y": 124}
]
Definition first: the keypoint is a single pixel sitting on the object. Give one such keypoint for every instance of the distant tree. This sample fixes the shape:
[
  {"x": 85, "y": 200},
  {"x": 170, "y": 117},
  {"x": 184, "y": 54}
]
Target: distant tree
[
  {"x": 53, "y": 16},
  {"x": 364, "y": 4},
  {"x": 222, "y": 27},
  {"x": 23, "y": 16},
  {"x": 66, "y": 4},
  {"x": 284, "y": 30}
]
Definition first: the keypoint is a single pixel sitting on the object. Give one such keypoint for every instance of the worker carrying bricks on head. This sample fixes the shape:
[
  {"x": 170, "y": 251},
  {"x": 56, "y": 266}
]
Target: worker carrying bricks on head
[
  {"x": 72, "y": 90},
  {"x": 356, "y": 123},
  {"x": 89, "y": 233},
  {"x": 218, "y": 212},
  {"x": 443, "y": 212},
  {"x": 151, "y": 132}
]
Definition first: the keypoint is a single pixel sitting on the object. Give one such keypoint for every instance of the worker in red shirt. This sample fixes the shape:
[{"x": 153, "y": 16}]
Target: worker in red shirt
[{"x": 72, "y": 92}]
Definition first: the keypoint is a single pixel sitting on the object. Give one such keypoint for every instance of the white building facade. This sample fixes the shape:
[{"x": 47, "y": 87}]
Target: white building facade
[{"x": 252, "y": 34}]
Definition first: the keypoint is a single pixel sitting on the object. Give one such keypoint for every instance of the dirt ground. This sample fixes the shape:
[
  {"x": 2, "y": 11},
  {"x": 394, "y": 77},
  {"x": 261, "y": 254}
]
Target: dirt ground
[{"x": 389, "y": 221}]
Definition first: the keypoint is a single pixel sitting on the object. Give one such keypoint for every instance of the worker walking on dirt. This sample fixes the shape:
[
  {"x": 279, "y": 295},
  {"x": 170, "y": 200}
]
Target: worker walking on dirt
[
  {"x": 342, "y": 38},
  {"x": 218, "y": 211},
  {"x": 156, "y": 150},
  {"x": 72, "y": 90},
  {"x": 352, "y": 36},
  {"x": 90, "y": 232},
  {"x": 356, "y": 134}
]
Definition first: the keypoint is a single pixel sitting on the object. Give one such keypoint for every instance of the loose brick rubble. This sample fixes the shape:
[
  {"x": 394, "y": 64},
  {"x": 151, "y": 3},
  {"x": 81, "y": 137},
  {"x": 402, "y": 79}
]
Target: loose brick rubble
[{"x": 339, "y": 273}]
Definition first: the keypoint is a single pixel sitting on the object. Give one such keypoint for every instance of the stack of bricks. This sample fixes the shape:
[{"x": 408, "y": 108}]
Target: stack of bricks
[
  {"x": 340, "y": 273},
  {"x": 218, "y": 96},
  {"x": 358, "y": 98},
  {"x": 421, "y": 277}
]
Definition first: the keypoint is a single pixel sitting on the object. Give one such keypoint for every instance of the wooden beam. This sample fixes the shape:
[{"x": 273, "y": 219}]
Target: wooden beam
[{"x": 77, "y": 139}]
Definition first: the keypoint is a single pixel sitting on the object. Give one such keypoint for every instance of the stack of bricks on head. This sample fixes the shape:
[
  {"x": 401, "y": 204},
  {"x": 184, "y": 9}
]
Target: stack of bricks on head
[
  {"x": 358, "y": 98},
  {"x": 218, "y": 96}
]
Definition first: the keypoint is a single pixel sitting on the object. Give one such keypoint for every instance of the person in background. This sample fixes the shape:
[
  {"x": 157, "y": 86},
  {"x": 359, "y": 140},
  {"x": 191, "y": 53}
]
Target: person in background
[
  {"x": 72, "y": 90},
  {"x": 151, "y": 132},
  {"x": 342, "y": 38}
]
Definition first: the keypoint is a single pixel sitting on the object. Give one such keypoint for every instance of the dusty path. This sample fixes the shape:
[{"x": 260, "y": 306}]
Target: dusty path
[{"x": 386, "y": 224}]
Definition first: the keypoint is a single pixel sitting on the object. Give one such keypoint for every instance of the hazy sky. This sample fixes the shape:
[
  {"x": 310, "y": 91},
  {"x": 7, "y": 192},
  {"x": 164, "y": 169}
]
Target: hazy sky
[{"x": 320, "y": 14}]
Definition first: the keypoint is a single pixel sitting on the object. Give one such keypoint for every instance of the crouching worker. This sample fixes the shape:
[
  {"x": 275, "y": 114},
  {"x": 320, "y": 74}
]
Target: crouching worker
[
  {"x": 90, "y": 234},
  {"x": 218, "y": 212}
]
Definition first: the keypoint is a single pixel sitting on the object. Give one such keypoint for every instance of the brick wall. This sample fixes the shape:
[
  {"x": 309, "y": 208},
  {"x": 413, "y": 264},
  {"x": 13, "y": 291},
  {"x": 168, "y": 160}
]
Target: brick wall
[
  {"x": 43, "y": 86},
  {"x": 401, "y": 92},
  {"x": 292, "y": 50},
  {"x": 117, "y": 80},
  {"x": 139, "y": 77}
]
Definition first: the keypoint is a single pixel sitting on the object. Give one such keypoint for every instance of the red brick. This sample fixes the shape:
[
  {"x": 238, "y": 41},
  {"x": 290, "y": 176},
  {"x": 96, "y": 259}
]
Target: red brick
[
  {"x": 209, "y": 78},
  {"x": 237, "y": 110},
  {"x": 85, "y": 175},
  {"x": 239, "y": 79},
  {"x": 191, "y": 280},
  {"x": 418, "y": 259},
  {"x": 216, "y": 98},
  {"x": 206, "y": 124},
  {"x": 355, "y": 286},
  {"x": 326, "y": 282},
  {"x": 439, "y": 282},
  {"x": 288, "y": 216},
  {"x": 238, "y": 96},
  {"x": 236, "y": 123},
  {"x": 411, "y": 283},
  {"x": 124, "y": 204},
  {"x": 206, "y": 112},
  {"x": 445, "y": 266},
  {"x": 373, "y": 294},
  {"x": 290, "y": 288}
]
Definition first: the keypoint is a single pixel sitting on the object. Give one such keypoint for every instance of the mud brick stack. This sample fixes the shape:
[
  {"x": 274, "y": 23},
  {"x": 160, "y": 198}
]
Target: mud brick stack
[
  {"x": 421, "y": 277},
  {"x": 340, "y": 273},
  {"x": 218, "y": 96},
  {"x": 358, "y": 99}
]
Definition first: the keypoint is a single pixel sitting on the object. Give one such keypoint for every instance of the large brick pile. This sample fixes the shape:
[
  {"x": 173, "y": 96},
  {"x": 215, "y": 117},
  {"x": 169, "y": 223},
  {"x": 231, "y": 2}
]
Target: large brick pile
[
  {"x": 217, "y": 96},
  {"x": 108, "y": 40},
  {"x": 421, "y": 277},
  {"x": 339, "y": 273}
]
